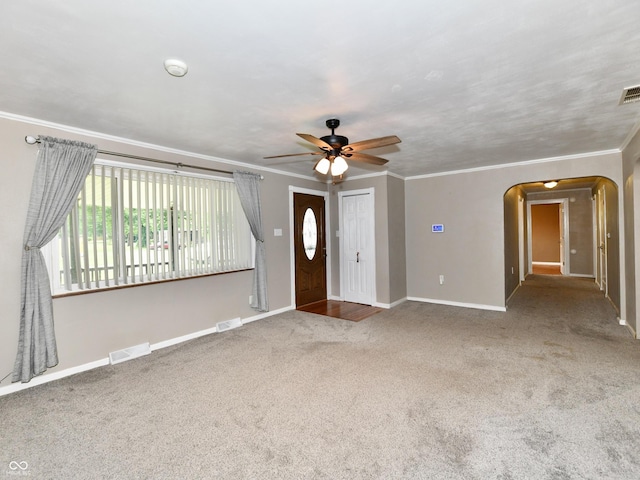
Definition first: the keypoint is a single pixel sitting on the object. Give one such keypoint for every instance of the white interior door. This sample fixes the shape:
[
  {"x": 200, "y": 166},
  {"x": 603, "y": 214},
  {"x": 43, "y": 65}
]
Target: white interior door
[{"x": 357, "y": 249}]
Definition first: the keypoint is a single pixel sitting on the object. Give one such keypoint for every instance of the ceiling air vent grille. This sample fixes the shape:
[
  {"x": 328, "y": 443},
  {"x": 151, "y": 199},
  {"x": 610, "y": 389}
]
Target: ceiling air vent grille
[{"x": 630, "y": 95}]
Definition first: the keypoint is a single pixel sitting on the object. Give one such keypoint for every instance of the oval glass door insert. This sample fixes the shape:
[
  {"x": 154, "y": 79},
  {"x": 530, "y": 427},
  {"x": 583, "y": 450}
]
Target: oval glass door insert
[{"x": 309, "y": 233}]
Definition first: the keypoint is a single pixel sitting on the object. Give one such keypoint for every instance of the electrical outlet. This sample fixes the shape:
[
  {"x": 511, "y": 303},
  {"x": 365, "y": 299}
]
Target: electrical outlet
[
  {"x": 512, "y": 271},
  {"x": 250, "y": 299},
  {"x": 441, "y": 279}
]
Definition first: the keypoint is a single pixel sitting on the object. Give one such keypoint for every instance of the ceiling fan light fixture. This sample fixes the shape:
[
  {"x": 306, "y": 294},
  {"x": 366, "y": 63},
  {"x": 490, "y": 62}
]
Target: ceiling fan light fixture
[
  {"x": 323, "y": 166},
  {"x": 550, "y": 184},
  {"x": 338, "y": 166}
]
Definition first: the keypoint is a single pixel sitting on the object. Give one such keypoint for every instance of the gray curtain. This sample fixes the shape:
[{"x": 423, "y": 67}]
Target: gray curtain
[
  {"x": 61, "y": 169},
  {"x": 248, "y": 187}
]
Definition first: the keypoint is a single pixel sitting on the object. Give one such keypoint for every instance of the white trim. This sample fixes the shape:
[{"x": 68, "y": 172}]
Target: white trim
[
  {"x": 372, "y": 225},
  {"x": 553, "y": 264},
  {"x": 512, "y": 293},
  {"x": 390, "y": 305},
  {"x": 521, "y": 240},
  {"x": 335, "y": 297},
  {"x": 564, "y": 190},
  {"x": 386, "y": 173},
  {"x": 582, "y": 275},
  {"x": 517, "y": 164},
  {"x": 327, "y": 228},
  {"x": 632, "y": 133},
  {"x": 623, "y": 322},
  {"x": 271, "y": 313},
  {"x": 565, "y": 251},
  {"x": 615, "y": 307},
  {"x": 183, "y": 338},
  {"x": 135, "y": 143},
  {"x": 15, "y": 387},
  {"x": 477, "y": 306}
]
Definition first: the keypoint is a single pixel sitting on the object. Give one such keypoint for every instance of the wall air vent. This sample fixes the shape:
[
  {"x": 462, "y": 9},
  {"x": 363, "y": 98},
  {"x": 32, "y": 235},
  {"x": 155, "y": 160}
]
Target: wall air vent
[
  {"x": 228, "y": 325},
  {"x": 129, "y": 353},
  {"x": 630, "y": 95}
]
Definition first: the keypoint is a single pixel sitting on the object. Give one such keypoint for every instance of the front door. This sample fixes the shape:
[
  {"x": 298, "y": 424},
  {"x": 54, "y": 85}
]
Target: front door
[{"x": 309, "y": 248}]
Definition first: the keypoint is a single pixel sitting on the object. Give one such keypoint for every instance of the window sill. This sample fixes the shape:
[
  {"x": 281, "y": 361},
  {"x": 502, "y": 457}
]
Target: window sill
[{"x": 141, "y": 284}]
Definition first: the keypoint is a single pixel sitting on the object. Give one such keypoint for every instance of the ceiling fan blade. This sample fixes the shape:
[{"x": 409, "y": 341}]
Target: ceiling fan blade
[
  {"x": 373, "y": 143},
  {"x": 295, "y": 154},
  {"x": 365, "y": 157},
  {"x": 316, "y": 141}
]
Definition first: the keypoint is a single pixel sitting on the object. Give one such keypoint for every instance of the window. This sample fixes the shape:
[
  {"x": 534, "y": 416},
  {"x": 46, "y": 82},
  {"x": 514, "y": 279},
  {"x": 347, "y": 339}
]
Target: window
[{"x": 133, "y": 226}]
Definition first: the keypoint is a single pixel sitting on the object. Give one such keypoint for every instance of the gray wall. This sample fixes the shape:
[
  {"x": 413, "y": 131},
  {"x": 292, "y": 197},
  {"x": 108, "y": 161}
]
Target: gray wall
[
  {"x": 89, "y": 326},
  {"x": 397, "y": 241}
]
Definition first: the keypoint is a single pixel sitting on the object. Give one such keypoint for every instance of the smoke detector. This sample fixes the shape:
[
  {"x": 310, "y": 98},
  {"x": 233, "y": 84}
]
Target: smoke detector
[
  {"x": 630, "y": 95},
  {"x": 175, "y": 67}
]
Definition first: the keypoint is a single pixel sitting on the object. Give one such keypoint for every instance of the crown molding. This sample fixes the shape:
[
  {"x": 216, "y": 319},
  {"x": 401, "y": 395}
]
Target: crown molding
[
  {"x": 632, "y": 133},
  {"x": 518, "y": 164},
  {"x": 159, "y": 148}
]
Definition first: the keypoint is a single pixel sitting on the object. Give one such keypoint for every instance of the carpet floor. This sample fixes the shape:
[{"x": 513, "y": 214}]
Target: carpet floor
[{"x": 548, "y": 390}]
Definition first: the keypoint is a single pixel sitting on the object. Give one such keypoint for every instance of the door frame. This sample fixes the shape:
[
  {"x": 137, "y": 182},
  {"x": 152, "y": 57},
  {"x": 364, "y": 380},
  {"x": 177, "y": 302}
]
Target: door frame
[
  {"x": 372, "y": 223},
  {"x": 602, "y": 243},
  {"x": 565, "y": 267},
  {"x": 521, "y": 241},
  {"x": 327, "y": 224}
]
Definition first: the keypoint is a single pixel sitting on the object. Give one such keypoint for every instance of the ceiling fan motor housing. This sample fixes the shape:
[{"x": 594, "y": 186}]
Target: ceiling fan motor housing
[{"x": 336, "y": 141}]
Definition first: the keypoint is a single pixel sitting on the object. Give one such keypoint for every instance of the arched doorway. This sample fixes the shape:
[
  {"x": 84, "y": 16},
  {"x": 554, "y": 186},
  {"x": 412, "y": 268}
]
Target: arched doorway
[{"x": 589, "y": 231}]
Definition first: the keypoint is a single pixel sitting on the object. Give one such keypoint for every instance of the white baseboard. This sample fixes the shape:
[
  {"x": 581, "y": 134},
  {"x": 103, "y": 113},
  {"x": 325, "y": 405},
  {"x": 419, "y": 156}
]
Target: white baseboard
[
  {"x": 477, "y": 306},
  {"x": 581, "y": 275},
  {"x": 50, "y": 377},
  {"x": 513, "y": 293},
  {"x": 390, "y": 305},
  {"x": 623, "y": 322},
  {"x": 551, "y": 264},
  {"x": 15, "y": 387},
  {"x": 267, "y": 314}
]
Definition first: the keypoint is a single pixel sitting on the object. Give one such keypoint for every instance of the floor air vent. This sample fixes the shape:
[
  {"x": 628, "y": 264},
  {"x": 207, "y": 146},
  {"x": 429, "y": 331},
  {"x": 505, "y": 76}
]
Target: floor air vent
[
  {"x": 630, "y": 95},
  {"x": 228, "y": 324},
  {"x": 129, "y": 353}
]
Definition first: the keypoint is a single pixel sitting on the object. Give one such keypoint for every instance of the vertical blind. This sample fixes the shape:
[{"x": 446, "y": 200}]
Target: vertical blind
[{"x": 131, "y": 226}]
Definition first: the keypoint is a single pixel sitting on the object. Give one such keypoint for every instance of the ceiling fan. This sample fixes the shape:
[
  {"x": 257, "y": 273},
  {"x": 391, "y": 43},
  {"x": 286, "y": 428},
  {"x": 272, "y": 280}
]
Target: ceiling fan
[{"x": 336, "y": 150}]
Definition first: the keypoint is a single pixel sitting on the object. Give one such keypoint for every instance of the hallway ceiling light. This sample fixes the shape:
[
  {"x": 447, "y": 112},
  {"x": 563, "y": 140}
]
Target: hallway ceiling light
[{"x": 550, "y": 184}]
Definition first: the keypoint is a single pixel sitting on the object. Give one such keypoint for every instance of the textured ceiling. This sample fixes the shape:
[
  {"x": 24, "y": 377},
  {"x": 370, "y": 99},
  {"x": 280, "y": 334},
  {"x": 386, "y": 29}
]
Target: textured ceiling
[{"x": 463, "y": 83}]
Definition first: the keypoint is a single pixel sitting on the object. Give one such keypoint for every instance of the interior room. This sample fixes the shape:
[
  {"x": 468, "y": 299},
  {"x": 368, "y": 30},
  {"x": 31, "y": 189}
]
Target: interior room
[{"x": 400, "y": 159}]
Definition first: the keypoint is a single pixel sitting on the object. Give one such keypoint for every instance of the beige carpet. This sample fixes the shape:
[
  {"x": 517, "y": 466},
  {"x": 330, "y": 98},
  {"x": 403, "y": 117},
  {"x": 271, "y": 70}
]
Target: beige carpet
[{"x": 548, "y": 390}]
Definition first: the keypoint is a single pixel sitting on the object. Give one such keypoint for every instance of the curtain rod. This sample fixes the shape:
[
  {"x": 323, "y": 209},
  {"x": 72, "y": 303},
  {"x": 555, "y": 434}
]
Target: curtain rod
[{"x": 31, "y": 140}]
